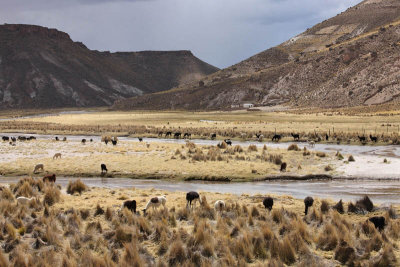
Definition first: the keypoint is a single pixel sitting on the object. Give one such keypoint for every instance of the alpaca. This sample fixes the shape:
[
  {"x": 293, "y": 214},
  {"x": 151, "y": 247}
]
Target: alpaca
[
  {"x": 38, "y": 167},
  {"x": 192, "y": 197},
  {"x": 155, "y": 202},
  {"x": 57, "y": 156},
  {"x": 378, "y": 221},
  {"x": 219, "y": 205},
  {"x": 373, "y": 138},
  {"x": 130, "y": 205},
  {"x": 103, "y": 168},
  {"x": 160, "y": 134},
  {"x": 177, "y": 135},
  {"x": 308, "y": 202},
  {"x": 268, "y": 202},
  {"x": 228, "y": 142},
  {"x": 311, "y": 143},
  {"x": 187, "y": 136},
  {"x": 362, "y": 138},
  {"x": 24, "y": 200},
  {"x": 277, "y": 137},
  {"x": 168, "y": 134},
  {"x": 296, "y": 137},
  {"x": 283, "y": 167}
]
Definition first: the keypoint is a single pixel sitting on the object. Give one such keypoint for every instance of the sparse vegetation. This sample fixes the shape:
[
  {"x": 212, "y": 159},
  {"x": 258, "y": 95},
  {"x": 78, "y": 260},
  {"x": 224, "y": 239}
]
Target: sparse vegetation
[{"x": 76, "y": 187}]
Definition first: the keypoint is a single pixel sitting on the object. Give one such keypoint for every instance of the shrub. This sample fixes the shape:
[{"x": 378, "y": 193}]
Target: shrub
[
  {"x": 7, "y": 194},
  {"x": 286, "y": 252},
  {"x": 339, "y": 156},
  {"x": 320, "y": 154},
  {"x": 176, "y": 253},
  {"x": 76, "y": 186},
  {"x": 238, "y": 149},
  {"x": 294, "y": 147},
  {"x": 99, "y": 210},
  {"x": 351, "y": 158}
]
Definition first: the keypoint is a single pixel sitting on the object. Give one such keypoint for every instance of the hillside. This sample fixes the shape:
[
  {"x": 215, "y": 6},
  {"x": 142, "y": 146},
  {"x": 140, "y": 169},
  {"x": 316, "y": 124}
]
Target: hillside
[
  {"x": 44, "y": 68},
  {"x": 352, "y": 59}
]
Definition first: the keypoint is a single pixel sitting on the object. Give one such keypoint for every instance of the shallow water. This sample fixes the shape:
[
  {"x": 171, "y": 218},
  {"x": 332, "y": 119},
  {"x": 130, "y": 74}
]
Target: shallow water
[{"x": 383, "y": 191}]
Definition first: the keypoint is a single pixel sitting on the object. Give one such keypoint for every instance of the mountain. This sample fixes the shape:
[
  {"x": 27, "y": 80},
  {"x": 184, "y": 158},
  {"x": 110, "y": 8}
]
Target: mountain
[
  {"x": 352, "y": 59},
  {"x": 44, "y": 68}
]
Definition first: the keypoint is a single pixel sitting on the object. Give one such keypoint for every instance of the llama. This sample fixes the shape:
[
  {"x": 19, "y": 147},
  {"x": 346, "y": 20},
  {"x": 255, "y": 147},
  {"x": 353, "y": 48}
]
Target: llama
[
  {"x": 5, "y": 138},
  {"x": 177, "y": 135},
  {"x": 140, "y": 139},
  {"x": 296, "y": 137},
  {"x": 83, "y": 141},
  {"x": 362, "y": 138},
  {"x": 228, "y": 142},
  {"x": 24, "y": 200},
  {"x": 373, "y": 138},
  {"x": 103, "y": 168},
  {"x": 38, "y": 167},
  {"x": 57, "y": 139},
  {"x": 308, "y": 202},
  {"x": 160, "y": 134},
  {"x": 49, "y": 178},
  {"x": 114, "y": 142},
  {"x": 268, "y": 203},
  {"x": 187, "y": 136},
  {"x": 57, "y": 156},
  {"x": 219, "y": 205},
  {"x": 378, "y": 221},
  {"x": 213, "y": 136},
  {"x": 192, "y": 197},
  {"x": 155, "y": 202},
  {"x": 168, "y": 134},
  {"x": 130, "y": 205}
]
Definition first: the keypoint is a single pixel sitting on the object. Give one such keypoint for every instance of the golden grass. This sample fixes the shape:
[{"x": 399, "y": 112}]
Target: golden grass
[
  {"x": 244, "y": 234},
  {"x": 160, "y": 160}
]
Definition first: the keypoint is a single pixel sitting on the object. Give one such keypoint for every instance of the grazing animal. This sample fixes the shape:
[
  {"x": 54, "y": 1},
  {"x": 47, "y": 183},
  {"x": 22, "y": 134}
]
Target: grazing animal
[
  {"x": 168, "y": 134},
  {"x": 106, "y": 141},
  {"x": 362, "y": 138},
  {"x": 277, "y": 137},
  {"x": 24, "y": 200},
  {"x": 91, "y": 140},
  {"x": 38, "y": 167},
  {"x": 192, "y": 197},
  {"x": 378, "y": 221},
  {"x": 155, "y": 202},
  {"x": 373, "y": 138},
  {"x": 187, "y": 135},
  {"x": 308, "y": 202},
  {"x": 5, "y": 138},
  {"x": 296, "y": 137},
  {"x": 311, "y": 143},
  {"x": 160, "y": 134},
  {"x": 31, "y": 137},
  {"x": 213, "y": 136},
  {"x": 114, "y": 142},
  {"x": 283, "y": 166},
  {"x": 177, "y": 135},
  {"x": 103, "y": 168},
  {"x": 21, "y": 138},
  {"x": 140, "y": 139},
  {"x": 130, "y": 205},
  {"x": 57, "y": 156},
  {"x": 65, "y": 139},
  {"x": 268, "y": 202},
  {"x": 228, "y": 142},
  {"x": 83, "y": 141},
  {"x": 49, "y": 178},
  {"x": 219, "y": 205},
  {"x": 57, "y": 138},
  {"x": 14, "y": 139},
  {"x": 326, "y": 137}
]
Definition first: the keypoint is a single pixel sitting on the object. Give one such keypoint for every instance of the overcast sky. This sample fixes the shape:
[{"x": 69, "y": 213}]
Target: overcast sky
[{"x": 220, "y": 32}]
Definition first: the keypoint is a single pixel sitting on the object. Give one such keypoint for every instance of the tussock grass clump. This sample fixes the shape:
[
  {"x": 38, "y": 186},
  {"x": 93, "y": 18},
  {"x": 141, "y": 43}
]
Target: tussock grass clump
[
  {"x": 339, "y": 156},
  {"x": 294, "y": 147},
  {"x": 320, "y": 154},
  {"x": 276, "y": 159},
  {"x": 52, "y": 195},
  {"x": 84, "y": 214},
  {"x": 176, "y": 253},
  {"x": 76, "y": 187},
  {"x": 286, "y": 252},
  {"x": 6, "y": 194},
  {"x": 99, "y": 210},
  {"x": 328, "y": 168},
  {"x": 365, "y": 204},
  {"x": 339, "y": 207},
  {"x": 324, "y": 206},
  {"x": 328, "y": 238},
  {"x": 306, "y": 152},
  {"x": 351, "y": 158},
  {"x": 252, "y": 148}
]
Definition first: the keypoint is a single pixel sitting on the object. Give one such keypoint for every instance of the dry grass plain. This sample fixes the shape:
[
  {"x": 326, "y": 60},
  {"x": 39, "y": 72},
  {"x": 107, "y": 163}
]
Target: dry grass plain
[
  {"x": 161, "y": 160},
  {"x": 233, "y": 124},
  {"x": 86, "y": 229}
]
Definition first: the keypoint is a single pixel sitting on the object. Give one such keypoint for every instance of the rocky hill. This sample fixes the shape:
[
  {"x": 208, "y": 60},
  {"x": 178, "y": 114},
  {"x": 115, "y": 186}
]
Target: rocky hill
[
  {"x": 44, "y": 68},
  {"x": 349, "y": 60}
]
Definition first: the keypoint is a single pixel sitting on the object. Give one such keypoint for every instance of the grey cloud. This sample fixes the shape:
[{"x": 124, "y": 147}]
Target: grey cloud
[{"x": 221, "y": 32}]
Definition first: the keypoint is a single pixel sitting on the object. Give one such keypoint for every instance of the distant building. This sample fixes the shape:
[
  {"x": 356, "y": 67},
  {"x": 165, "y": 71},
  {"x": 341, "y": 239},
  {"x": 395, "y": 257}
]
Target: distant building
[{"x": 248, "y": 105}]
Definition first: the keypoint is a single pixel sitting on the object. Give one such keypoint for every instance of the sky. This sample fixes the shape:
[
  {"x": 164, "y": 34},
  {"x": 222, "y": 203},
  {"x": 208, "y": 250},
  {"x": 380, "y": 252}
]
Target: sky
[{"x": 220, "y": 32}]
